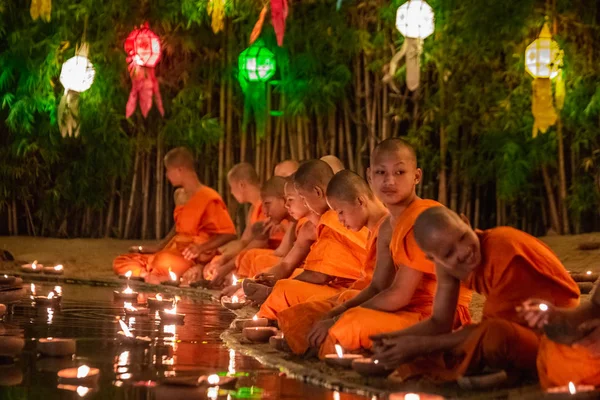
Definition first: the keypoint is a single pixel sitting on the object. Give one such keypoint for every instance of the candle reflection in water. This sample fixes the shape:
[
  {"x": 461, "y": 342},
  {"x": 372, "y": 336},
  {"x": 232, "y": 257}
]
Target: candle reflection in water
[
  {"x": 212, "y": 393},
  {"x": 50, "y": 312},
  {"x": 231, "y": 369},
  {"x": 82, "y": 391}
]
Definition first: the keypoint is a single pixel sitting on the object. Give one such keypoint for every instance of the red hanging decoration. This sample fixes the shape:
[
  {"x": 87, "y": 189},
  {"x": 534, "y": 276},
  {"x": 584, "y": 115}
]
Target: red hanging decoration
[
  {"x": 143, "y": 53},
  {"x": 279, "y": 13}
]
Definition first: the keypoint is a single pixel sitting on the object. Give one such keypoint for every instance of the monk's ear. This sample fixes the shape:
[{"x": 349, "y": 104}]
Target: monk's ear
[
  {"x": 369, "y": 180},
  {"x": 464, "y": 219},
  {"x": 319, "y": 192},
  {"x": 418, "y": 176}
]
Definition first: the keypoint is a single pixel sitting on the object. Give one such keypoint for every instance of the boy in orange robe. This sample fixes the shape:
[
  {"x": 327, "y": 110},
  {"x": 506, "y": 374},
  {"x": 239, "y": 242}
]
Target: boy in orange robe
[
  {"x": 401, "y": 292},
  {"x": 201, "y": 221},
  {"x": 336, "y": 258},
  {"x": 503, "y": 264},
  {"x": 286, "y": 168},
  {"x": 570, "y": 349}
]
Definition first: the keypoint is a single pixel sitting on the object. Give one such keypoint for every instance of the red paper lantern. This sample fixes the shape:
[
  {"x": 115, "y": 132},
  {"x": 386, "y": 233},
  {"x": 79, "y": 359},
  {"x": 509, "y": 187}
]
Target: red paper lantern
[
  {"x": 143, "y": 54},
  {"x": 143, "y": 47}
]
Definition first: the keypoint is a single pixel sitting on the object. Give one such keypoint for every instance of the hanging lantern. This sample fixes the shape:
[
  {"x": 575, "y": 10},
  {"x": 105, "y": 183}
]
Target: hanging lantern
[
  {"x": 41, "y": 9},
  {"x": 216, "y": 10},
  {"x": 256, "y": 66},
  {"x": 76, "y": 76},
  {"x": 543, "y": 61},
  {"x": 143, "y": 54}
]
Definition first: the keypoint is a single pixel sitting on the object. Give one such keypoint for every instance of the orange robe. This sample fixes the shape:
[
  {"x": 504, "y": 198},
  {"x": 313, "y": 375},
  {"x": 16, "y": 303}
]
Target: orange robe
[
  {"x": 559, "y": 364},
  {"x": 296, "y": 322},
  {"x": 337, "y": 252},
  {"x": 354, "y": 328},
  {"x": 197, "y": 221},
  {"x": 515, "y": 267},
  {"x": 252, "y": 262}
]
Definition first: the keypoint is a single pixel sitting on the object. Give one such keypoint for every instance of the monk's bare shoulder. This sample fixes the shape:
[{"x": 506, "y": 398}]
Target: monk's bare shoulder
[
  {"x": 180, "y": 197},
  {"x": 308, "y": 232},
  {"x": 384, "y": 236}
]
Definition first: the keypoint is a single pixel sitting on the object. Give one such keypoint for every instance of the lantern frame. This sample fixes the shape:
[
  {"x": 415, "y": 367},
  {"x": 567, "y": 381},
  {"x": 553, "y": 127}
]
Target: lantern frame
[
  {"x": 143, "y": 47},
  {"x": 77, "y": 74},
  {"x": 257, "y": 63},
  {"x": 543, "y": 57},
  {"x": 415, "y": 19}
]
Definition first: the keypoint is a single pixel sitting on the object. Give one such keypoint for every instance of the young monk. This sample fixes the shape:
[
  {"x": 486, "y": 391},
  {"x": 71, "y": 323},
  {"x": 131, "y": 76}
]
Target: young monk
[
  {"x": 401, "y": 292},
  {"x": 503, "y": 264},
  {"x": 335, "y": 163},
  {"x": 570, "y": 349},
  {"x": 286, "y": 168},
  {"x": 201, "y": 222},
  {"x": 335, "y": 260}
]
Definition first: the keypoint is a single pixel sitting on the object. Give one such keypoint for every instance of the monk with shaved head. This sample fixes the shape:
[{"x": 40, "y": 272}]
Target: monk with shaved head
[
  {"x": 403, "y": 285},
  {"x": 286, "y": 168},
  {"x": 201, "y": 222},
  {"x": 335, "y": 260},
  {"x": 335, "y": 163},
  {"x": 503, "y": 264}
]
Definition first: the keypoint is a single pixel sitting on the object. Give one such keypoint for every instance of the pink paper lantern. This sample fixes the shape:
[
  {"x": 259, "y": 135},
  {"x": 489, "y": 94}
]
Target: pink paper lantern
[{"x": 143, "y": 47}]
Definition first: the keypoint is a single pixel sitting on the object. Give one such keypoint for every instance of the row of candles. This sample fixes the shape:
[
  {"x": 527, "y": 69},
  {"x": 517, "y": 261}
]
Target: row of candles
[{"x": 36, "y": 268}]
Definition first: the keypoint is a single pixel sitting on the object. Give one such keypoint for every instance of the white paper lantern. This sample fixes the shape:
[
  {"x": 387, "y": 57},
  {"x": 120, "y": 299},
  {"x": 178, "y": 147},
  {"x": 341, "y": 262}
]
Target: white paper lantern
[
  {"x": 77, "y": 74},
  {"x": 543, "y": 57},
  {"x": 415, "y": 20}
]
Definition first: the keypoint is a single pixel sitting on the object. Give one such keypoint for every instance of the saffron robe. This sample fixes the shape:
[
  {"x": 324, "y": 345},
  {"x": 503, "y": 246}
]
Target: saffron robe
[
  {"x": 337, "y": 252},
  {"x": 515, "y": 267},
  {"x": 197, "y": 221}
]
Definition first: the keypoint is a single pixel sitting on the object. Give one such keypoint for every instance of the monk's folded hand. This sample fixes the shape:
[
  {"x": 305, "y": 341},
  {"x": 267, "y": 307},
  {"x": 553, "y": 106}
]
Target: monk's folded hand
[
  {"x": 266, "y": 279},
  {"x": 192, "y": 275},
  {"x": 536, "y": 312},
  {"x": 219, "y": 276},
  {"x": 319, "y": 332},
  {"x": 591, "y": 340},
  {"x": 391, "y": 353},
  {"x": 388, "y": 335},
  {"x": 231, "y": 290},
  {"x": 191, "y": 252}
]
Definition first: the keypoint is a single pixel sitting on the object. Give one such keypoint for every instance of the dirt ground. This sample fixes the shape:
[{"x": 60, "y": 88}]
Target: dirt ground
[{"x": 92, "y": 258}]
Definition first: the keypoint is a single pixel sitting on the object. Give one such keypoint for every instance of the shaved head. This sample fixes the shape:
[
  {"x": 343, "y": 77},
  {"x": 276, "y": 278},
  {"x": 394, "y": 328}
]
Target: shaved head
[
  {"x": 431, "y": 221},
  {"x": 313, "y": 173},
  {"x": 348, "y": 186},
  {"x": 179, "y": 157},
  {"x": 393, "y": 146},
  {"x": 335, "y": 163},
  {"x": 286, "y": 168},
  {"x": 274, "y": 187},
  {"x": 243, "y": 172}
]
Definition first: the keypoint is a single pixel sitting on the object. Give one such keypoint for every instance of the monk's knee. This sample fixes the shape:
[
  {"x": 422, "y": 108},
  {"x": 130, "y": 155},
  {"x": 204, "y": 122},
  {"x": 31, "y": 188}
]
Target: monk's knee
[{"x": 507, "y": 345}]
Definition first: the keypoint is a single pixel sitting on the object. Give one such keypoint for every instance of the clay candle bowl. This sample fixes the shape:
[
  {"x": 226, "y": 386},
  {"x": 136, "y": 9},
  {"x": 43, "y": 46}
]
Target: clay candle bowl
[
  {"x": 588, "y": 276},
  {"x": 159, "y": 302},
  {"x": 370, "y": 367},
  {"x": 232, "y": 303},
  {"x": 414, "y": 396},
  {"x": 82, "y": 376},
  {"x": 572, "y": 391},
  {"x": 52, "y": 300},
  {"x": 8, "y": 280},
  {"x": 132, "y": 311},
  {"x": 126, "y": 295},
  {"x": 485, "y": 380},
  {"x": 132, "y": 278},
  {"x": 33, "y": 268},
  {"x": 11, "y": 346},
  {"x": 2, "y": 310},
  {"x": 278, "y": 342},
  {"x": 52, "y": 347},
  {"x": 340, "y": 359},
  {"x": 173, "y": 280},
  {"x": 171, "y": 317},
  {"x": 259, "y": 334},
  {"x": 56, "y": 270}
]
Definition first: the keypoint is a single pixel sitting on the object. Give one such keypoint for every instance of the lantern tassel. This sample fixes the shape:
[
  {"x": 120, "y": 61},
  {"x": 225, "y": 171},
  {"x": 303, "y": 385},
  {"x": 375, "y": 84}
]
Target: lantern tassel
[
  {"x": 393, "y": 66},
  {"x": 255, "y": 104},
  {"x": 413, "y": 63},
  {"x": 279, "y": 13},
  {"x": 256, "y": 31},
  {"x": 41, "y": 9},
  {"x": 543, "y": 111},
  {"x": 144, "y": 87},
  {"x": 217, "y": 12},
  {"x": 68, "y": 114}
]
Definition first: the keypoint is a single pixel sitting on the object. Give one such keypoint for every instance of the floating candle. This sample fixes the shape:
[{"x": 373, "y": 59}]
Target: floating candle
[
  {"x": 543, "y": 307},
  {"x": 159, "y": 302},
  {"x": 83, "y": 375},
  {"x": 33, "y": 268},
  {"x": 170, "y": 316},
  {"x": 256, "y": 322},
  {"x": 414, "y": 396},
  {"x": 575, "y": 391},
  {"x": 55, "y": 347},
  {"x": 56, "y": 270},
  {"x": 130, "y": 310},
  {"x": 259, "y": 334},
  {"x": 340, "y": 359},
  {"x": 52, "y": 300},
  {"x": 125, "y": 336},
  {"x": 482, "y": 381},
  {"x": 126, "y": 294},
  {"x": 370, "y": 367}
]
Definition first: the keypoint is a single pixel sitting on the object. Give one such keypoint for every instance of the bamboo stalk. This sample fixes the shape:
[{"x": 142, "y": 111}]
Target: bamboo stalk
[
  {"x": 562, "y": 179},
  {"x": 331, "y": 129},
  {"x": 134, "y": 180},
  {"x": 454, "y": 184},
  {"x": 15, "y": 220},
  {"x": 308, "y": 139},
  {"x": 9, "y": 219},
  {"x": 300, "y": 139},
  {"x": 268, "y": 136},
  {"x": 555, "y": 221},
  {"x": 111, "y": 208},
  {"x": 385, "y": 127},
  {"x": 348, "y": 134},
  {"x": 322, "y": 148},
  {"x": 145, "y": 194},
  {"x": 276, "y": 142},
  {"x": 29, "y": 218},
  {"x": 160, "y": 178},
  {"x": 120, "y": 227}
]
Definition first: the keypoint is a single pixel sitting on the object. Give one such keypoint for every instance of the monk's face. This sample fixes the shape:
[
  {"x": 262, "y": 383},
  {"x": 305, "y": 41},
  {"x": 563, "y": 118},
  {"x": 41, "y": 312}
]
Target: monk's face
[
  {"x": 293, "y": 203},
  {"x": 454, "y": 246},
  {"x": 174, "y": 175},
  {"x": 394, "y": 176},
  {"x": 274, "y": 208},
  {"x": 314, "y": 198},
  {"x": 352, "y": 214}
]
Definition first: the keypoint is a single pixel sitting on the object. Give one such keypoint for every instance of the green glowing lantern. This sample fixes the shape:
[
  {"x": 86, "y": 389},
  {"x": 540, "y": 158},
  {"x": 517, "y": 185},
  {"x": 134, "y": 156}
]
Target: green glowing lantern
[{"x": 256, "y": 66}]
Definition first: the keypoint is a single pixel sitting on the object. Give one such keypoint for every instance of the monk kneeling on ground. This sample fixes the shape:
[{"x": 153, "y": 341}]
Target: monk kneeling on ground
[
  {"x": 201, "y": 222},
  {"x": 505, "y": 265}
]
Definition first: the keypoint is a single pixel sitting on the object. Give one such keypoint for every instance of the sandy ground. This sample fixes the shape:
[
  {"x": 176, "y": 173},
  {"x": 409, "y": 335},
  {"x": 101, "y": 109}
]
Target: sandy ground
[{"x": 92, "y": 258}]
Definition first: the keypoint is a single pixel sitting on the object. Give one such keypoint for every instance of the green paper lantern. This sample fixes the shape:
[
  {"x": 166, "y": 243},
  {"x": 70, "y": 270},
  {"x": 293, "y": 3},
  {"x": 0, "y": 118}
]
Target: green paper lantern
[{"x": 257, "y": 63}]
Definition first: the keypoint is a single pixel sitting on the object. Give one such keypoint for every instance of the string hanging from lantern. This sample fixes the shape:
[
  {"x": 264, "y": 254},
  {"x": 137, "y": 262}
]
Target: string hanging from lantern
[
  {"x": 41, "y": 9},
  {"x": 415, "y": 20},
  {"x": 143, "y": 50}
]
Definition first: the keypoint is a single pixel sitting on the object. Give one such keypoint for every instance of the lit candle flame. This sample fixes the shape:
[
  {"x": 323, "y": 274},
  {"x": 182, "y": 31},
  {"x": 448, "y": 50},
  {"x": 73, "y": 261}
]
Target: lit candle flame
[
  {"x": 128, "y": 274},
  {"x": 213, "y": 379},
  {"x": 140, "y": 249},
  {"x": 34, "y": 265},
  {"x": 376, "y": 362},
  {"x": 129, "y": 307},
  {"x": 234, "y": 279},
  {"x": 158, "y": 297},
  {"x": 255, "y": 318},
  {"x": 572, "y": 388},
  {"x": 235, "y": 299},
  {"x": 83, "y": 371},
  {"x": 82, "y": 390},
  {"x": 58, "y": 290},
  {"x": 339, "y": 350},
  {"x": 336, "y": 395},
  {"x": 58, "y": 267},
  {"x": 412, "y": 396},
  {"x": 172, "y": 275},
  {"x": 6, "y": 276},
  {"x": 543, "y": 307},
  {"x": 50, "y": 295},
  {"x": 172, "y": 310},
  {"x": 125, "y": 329},
  {"x": 589, "y": 272},
  {"x": 128, "y": 290},
  {"x": 33, "y": 289}
]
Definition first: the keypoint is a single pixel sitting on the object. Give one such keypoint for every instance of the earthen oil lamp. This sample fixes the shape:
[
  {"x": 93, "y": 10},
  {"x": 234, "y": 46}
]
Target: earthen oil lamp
[
  {"x": 131, "y": 311},
  {"x": 159, "y": 302},
  {"x": 170, "y": 316},
  {"x": 11, "y": 346},
  {"x": 232, "y": 303},
  {"x": 56, "y": 347},
  {"x": 52, "y": 300},
  {"x": 572, "y": 391},
  {"x": 56, "y": 270},
  {"x": 588, "y": 276},
  {"x": 173, "y": 280},
  {"x": 9, "y": 280},
  {"x": 253, "y": 322},
  {"x": 369, "y": 367},
  {"x": 414, "y": 396},
  {"x": 33, "y": 268},
  {"x": 126, "y": 337},
  {"x": 129, "y": 277},
  {"x": 81, "y": 391},
  {"x": 259, "y": 334},
  {"x": 126, "y": 295},
  {"x": 2, "y": 310},
  {"x": 82, "y": 376},
  {"x": 278, "y": 342},
  {"x": 340, "y": 359}
]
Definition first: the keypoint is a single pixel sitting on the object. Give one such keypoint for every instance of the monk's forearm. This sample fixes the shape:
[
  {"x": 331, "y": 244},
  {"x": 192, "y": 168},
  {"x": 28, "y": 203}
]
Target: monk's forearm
[
  {"x": 316, "y": 278},
  {"x": 163, "y": 243},
  {"x": 215, "y": 242},
  {"x": 579, "y": 315},
  {"x": 364, "y": 295},
  {"x": 386, "y": 301},
  {"x": 448, "y": 341}
]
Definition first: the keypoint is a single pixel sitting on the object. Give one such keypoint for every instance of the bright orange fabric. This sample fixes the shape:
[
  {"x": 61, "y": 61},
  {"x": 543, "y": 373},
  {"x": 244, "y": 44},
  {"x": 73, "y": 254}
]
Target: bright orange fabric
[
  {"x": 256, "y": 214},
  {"x": 297, "y": 321},
  {"x": 559, "y": 364},
  {"x": 197, "y": 221},
  {"x": 515, "y": 267},
  {"x": 254, "y": 261}
]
